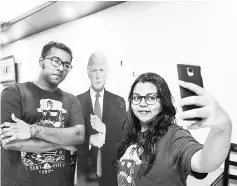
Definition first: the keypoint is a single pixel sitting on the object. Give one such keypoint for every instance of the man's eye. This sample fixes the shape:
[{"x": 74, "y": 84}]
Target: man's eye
[
  {"x": 56, "y": 60},
  {"x": 67, "y": 65}
]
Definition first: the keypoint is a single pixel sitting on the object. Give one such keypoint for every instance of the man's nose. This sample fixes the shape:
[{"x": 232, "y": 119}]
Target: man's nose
[
  {"x": 60, "y": 68},
  {"x": 98, "y": 74}
]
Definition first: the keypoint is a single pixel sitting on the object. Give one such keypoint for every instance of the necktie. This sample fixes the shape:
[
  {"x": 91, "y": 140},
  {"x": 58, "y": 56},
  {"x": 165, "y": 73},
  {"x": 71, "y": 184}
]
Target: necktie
[{"x": 97, "y": 111}]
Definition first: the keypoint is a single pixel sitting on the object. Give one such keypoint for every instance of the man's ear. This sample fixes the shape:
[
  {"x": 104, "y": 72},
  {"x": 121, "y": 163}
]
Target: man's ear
[
  {"x": 88, "y": 73},
  {"x": 41, "y": 62}
]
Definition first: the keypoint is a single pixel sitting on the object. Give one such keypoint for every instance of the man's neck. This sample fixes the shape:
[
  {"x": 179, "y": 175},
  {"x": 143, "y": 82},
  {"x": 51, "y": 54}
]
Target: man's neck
[
  {"x": 44, "y": 85},
  {"x": 98, "y": 91}
]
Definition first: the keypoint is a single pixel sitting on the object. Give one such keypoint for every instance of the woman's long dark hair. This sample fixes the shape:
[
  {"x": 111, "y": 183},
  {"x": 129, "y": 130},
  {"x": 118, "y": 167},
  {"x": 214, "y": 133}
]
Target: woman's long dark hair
[{"x": 159, "y": 124}]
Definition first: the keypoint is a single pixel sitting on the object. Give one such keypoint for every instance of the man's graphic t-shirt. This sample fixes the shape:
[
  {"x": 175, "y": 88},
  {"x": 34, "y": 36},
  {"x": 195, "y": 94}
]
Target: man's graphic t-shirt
[
  {"x": 51, "y": 116},
  {"x": 34, "y": 105},
  {"x": 172, "y": 164}
]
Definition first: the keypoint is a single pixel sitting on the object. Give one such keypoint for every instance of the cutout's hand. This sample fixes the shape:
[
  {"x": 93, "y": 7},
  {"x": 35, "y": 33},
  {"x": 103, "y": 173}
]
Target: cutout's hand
[
  {"x": 97, "y": 124},
  {"x": 97, "y": 140}
]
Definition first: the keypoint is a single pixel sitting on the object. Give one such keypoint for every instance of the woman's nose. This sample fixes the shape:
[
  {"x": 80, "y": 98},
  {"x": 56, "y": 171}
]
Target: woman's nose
[{"x": 143, "y": 102}]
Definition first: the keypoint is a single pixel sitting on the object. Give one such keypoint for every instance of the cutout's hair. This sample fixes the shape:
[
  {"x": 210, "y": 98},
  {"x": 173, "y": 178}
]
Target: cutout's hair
[{"x": 96, "y": 56}]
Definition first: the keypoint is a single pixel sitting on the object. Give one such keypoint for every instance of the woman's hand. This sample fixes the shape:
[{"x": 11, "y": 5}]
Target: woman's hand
[{"x": 211, "y": 113}]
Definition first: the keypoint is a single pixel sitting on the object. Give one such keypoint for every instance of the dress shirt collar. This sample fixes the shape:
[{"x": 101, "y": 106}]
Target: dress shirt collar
[{"x": 93, "y": 93}]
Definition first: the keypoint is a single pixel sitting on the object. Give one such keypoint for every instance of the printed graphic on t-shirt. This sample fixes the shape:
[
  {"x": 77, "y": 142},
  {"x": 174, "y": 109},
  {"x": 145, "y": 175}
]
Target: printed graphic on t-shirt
[
  {"x": 51, "y": 113},
  {"x": 129, "y": 166},
  {"x": 51, "y": 116}
]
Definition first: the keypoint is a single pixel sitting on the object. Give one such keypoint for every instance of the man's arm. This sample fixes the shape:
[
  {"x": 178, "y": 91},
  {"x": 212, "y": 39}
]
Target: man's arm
[
  {"x": 34, "y": 145},
  {"x": 74, "y": 134},
  {"x": 20, "y": 130},
  {"x": 31, "y": 145},
  {"x": 62, "y": 136},
  {"x": 11, "y": 103}
]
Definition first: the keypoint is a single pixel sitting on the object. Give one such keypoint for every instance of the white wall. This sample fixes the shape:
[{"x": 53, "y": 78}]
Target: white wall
[{"x": 148, "y": 36}]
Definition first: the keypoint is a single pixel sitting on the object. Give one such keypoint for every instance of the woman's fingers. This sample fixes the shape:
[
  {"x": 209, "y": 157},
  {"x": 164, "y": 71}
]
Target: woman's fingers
[
  {"x": 195, "y": 100},
  {"x": 202, "y": 112},
  {"x": 193, "y": 87}
]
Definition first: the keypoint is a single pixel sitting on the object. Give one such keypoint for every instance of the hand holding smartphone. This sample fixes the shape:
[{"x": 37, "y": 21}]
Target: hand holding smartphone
[{"x": 191, "y": 74}]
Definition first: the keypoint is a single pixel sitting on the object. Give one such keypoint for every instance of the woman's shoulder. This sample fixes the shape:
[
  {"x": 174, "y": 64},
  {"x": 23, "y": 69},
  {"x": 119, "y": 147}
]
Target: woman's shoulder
[
  {"x": 175, "y": 131},
  {"x": 173, "y": 128}
]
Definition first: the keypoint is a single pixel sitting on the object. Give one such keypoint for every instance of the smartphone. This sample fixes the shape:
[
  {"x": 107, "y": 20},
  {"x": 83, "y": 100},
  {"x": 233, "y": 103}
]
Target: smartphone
[{"x": 192, "y": 74}]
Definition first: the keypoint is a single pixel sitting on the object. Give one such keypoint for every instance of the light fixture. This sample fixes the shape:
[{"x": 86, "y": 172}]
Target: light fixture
[
  {"x": 68, "y": 12},
  {"x": 4, "y": 38}
]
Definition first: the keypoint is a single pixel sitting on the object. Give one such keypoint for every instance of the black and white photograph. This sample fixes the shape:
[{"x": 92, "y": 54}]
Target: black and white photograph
[{"x": 118, "y": 93}]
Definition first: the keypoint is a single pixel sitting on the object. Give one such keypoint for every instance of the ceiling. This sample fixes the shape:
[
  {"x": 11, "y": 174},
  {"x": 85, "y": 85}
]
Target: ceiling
[
  {"x": 17, "y": 9},
  {"x": 48, "y": 15}
]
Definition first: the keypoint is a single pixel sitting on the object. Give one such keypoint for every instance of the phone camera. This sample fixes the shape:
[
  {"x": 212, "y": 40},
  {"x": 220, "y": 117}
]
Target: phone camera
[{"x": 190, "y": 71}]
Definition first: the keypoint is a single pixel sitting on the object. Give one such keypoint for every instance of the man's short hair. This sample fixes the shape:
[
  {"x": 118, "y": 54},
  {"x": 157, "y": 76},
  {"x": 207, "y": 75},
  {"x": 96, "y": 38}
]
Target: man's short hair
[{"x": 54, "y": 44}]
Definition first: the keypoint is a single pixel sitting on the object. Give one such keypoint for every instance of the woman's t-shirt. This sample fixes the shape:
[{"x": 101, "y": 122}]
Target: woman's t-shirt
[{"x": 171, "y": 166}]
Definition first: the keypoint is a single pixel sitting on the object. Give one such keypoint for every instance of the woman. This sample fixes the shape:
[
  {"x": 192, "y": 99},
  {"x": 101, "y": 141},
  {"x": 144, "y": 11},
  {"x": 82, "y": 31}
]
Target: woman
[{"x": 156, "y": 151}]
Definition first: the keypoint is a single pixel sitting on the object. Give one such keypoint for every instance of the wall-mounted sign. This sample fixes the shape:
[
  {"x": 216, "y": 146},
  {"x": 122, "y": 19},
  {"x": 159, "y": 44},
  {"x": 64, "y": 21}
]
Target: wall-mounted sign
[
  {"x": 8, "y": 70},
  {"x": 136, "y": 74}
]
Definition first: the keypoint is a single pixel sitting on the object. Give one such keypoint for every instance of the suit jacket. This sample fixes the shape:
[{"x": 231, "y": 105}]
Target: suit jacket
[{"x": 113, "y": 117}]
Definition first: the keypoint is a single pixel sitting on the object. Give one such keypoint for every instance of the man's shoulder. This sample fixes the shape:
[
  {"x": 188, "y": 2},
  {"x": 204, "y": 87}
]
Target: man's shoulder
[
  {"x": 83, "y": 95},
  {"x": 114, "y": 96},
  {"x": 15, "y": 87},
  {"x": 68, "y": 94},
  {"x": 115, "y": 100}
]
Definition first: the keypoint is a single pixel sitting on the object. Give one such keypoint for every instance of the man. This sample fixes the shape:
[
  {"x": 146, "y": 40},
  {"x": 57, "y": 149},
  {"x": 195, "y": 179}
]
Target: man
[
  {"x": 37, "y": 150},
  {"x": 104, "y": 114}
]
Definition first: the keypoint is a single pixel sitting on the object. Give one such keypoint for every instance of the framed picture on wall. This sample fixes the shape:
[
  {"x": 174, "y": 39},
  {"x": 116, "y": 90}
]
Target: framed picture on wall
[{"x": 8, "y": 73}]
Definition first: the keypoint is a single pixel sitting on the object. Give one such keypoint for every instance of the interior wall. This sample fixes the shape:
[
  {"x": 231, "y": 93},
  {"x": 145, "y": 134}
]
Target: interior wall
[{"x": 147, "y": 36}]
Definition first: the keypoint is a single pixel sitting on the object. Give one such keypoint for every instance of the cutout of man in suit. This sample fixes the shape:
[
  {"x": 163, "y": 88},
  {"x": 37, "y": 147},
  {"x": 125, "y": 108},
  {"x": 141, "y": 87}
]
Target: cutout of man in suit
[{"x": 104, "y": 114}]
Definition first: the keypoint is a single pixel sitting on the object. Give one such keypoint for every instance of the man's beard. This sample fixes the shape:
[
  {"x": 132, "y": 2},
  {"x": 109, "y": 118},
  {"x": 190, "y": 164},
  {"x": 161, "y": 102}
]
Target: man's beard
[{"x": 51, "y": 83}]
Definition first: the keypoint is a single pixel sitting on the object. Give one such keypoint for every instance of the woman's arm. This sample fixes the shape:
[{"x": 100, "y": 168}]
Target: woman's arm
[
  {"x": 214, "y": 152},
  {"x": 217, "y": 144}
]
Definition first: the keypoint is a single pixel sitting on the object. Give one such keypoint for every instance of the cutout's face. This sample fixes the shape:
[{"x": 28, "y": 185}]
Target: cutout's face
[
  {"x": 148, "y": 107},
  {"x": 55, "y": 75},
  {"x": 97, "y": 73}
]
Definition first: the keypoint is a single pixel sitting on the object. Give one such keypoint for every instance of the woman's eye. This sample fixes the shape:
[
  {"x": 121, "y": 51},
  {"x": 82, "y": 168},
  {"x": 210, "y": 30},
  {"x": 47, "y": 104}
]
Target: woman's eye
[
  {"x": 151, "y": 98},
  {"x": 136, "y": 98}
]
